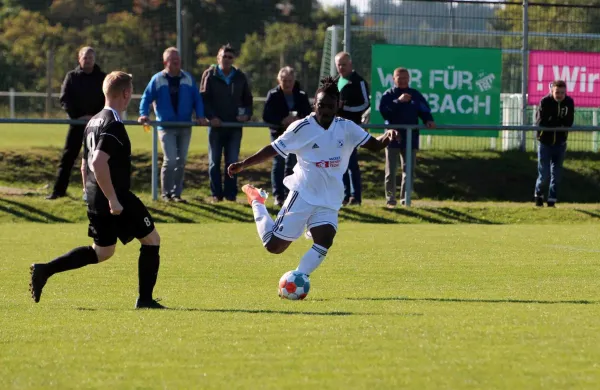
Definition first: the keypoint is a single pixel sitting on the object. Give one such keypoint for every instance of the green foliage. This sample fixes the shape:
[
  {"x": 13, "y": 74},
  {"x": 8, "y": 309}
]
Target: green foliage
[{"x": 283, "y": 44}]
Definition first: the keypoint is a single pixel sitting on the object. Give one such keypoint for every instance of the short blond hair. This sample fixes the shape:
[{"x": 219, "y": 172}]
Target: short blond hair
[
  {"x": 84, "y": 50},
  {"x": 168, "y": 52},
  {"x": 116, "y": 82},
  {"x": 286, "y": 71}
]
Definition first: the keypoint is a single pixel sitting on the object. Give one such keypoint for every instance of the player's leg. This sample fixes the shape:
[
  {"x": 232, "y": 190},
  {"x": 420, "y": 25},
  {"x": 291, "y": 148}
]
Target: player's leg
[
  {"x": 137, "y": 222},
  {"x": 392, "y": 156},
  {"x": 543, "y": 172},
  {"x": 356, "y": 179},
  {"x": 215, "y": 152},
  {"x": 322, "y": 226},
  {"x": 184, "y": 135},
  {"x": 231, "y": 155},
  {"x": 168, "y": 142},
  {"x": 103, "y": 232},
  {"x": 262, "y": 218},
  {"x": 556, "y": 165}
]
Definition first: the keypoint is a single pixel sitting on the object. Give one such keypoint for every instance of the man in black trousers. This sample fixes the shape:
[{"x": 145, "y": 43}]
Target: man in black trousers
[{"x": 81, "y": 97}]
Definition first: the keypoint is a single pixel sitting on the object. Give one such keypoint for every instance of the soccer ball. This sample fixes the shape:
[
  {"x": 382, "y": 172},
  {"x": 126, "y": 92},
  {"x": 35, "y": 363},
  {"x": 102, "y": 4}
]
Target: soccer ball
[{"x": 294, "y": 285}]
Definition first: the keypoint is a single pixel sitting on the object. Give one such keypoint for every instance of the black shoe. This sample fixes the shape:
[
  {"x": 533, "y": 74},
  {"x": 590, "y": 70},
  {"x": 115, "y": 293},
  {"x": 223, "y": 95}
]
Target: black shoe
[
  {"x": 39, "y": 277},
  {"x": 539, "y": 201},
  {"x": 54, "y": 196},
  {"x": 551, "y": 204},
  {"x": 279, "y": 202},
  {"x": 148, "y": 304},
  {"x": 177, "y": 199},
  {"x": 345, "y": 201},
  {"x": 166, "y": 198},
  {"x": 354, "y": 202}
]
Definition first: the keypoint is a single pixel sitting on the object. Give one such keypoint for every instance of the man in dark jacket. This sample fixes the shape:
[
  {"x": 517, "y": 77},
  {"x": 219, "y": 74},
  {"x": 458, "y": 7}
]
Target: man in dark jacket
[
  {"x": 354, "y": 94},
  {"x": 555, "y": 111},
  {"x": 285, "y": 104},
  {"x": 81, "y": 97},
  {"x": 402, "y": 105},
  {"x": 227, "y": 98}
]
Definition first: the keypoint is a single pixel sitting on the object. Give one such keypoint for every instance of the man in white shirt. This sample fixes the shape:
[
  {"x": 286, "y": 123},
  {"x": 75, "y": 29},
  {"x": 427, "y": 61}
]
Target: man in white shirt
[{"x": 323, "y": 144}]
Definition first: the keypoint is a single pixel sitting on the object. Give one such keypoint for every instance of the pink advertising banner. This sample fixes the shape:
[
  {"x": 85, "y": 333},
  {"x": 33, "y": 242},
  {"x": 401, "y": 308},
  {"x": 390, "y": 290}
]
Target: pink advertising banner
[{"x": 581, "y": 72}]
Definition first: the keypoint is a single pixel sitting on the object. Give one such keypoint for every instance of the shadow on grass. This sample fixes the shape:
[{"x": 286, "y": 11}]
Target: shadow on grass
[
  {"x": 589, "y": 213},
  {"x": 268, "y": 311},
  {"x": 466, "y": 300},
  {"x": 20, "y": 210},
  {"x": 458, "y": 216},
  {"x": 351, "y": 214}
]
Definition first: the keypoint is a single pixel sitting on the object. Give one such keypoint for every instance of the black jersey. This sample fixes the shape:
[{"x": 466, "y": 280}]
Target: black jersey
[{"x": 106, "y": 132}]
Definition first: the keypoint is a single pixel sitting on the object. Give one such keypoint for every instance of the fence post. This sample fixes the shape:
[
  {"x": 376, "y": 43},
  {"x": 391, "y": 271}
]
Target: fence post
[
  {"x": 11, "y": 102},
  {"x": 595, "y": 133},
  {"x": 347, "y": 30},
  {"x": 334, "y": 49},
  {"x": 524, "y": 71},
  {"x": 409, "y": 167},
  {"x": 154, "y": 163}
]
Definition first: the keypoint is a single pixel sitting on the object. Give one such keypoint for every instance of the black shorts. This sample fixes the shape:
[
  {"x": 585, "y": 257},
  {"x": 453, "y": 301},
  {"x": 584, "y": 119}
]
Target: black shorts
[{"x": 134, "y": 222}]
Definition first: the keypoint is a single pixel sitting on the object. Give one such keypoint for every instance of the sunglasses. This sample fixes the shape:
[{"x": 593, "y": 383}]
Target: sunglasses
[{"x": 228, "y": 57}]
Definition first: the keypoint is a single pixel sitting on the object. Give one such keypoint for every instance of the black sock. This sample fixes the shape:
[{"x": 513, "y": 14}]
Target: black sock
[
  {"x": 77, "y": 258},
  {"x": 148, "y": 270}
]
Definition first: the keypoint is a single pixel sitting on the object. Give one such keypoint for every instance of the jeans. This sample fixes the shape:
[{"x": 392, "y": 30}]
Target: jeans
[
  {"x": 550, "y": 163},
  {"x": 393, "y": 156},
  {"x": 353, "y": 174},
  {"x": 282, "y": 167},
  {"x": 70, "y": 152},
  {"x": 223, "y": 140},
  {"x": 175, "y": 144}
]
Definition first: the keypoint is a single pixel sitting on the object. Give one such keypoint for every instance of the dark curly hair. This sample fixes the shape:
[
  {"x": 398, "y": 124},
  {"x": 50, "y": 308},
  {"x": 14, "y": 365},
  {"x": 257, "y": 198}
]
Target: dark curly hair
[{"x": 328, "y": 87}]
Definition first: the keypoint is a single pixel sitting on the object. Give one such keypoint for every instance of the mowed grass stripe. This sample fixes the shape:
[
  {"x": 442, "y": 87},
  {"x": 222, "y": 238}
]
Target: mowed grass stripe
[{"x": 411, "y": 306}]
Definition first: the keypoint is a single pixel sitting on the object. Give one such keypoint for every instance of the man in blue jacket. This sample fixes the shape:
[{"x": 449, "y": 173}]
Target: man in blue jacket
[
  {"x": 402, "y": 105},
  {"x": 285, "y": 104},
  {"x": 174, "y": 94}
]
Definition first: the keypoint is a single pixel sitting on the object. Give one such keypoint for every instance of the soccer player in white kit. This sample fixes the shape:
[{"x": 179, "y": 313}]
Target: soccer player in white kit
[{"x": 323, "y": 144}]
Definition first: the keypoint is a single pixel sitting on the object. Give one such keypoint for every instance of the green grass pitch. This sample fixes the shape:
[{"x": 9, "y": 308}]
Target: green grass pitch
[{"x": 392, "y": 306}]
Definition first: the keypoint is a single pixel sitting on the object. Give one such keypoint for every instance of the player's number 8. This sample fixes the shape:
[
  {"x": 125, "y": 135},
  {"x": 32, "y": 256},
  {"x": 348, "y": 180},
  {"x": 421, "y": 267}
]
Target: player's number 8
[
  {"x": 91, "y": 145},
  {"x": 147, "y": 221}
]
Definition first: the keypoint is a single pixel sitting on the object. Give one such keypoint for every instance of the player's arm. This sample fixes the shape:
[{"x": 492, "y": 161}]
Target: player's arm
[
  {"x": 83, "y": 171},
  {"x": 266, "y": 153},
  {"x": 381, "y": 142},
  {"x": 102, "y": 173}
]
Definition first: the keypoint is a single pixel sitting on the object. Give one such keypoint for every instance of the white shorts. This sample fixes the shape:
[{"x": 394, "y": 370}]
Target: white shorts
[{"x": 297, "y": 215}]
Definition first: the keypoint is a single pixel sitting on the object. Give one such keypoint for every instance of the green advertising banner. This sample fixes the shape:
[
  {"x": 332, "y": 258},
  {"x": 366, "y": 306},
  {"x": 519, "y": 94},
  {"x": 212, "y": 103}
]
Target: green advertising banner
[{"x": 461, "y": 85}]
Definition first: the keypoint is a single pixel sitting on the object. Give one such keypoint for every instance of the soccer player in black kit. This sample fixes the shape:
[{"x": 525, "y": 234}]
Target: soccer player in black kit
[{"x": 114, "y": 211}]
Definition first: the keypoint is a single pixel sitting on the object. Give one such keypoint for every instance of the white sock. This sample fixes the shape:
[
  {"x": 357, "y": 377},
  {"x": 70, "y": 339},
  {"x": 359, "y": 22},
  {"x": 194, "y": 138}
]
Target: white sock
[
  {"x": 312, "y": 259},
  {"x": 264, "y": 223}
]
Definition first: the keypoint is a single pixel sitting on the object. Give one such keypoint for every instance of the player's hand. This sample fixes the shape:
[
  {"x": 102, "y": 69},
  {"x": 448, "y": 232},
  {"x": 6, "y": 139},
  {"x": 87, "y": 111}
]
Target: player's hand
[
  {"x": 115, "y": 207},
  {"x": 201, "y": 121},
  {"x": 394, "y": 135},
  {"x": 215, "y": 122},
  {"x": 288, "y": 120},
  {"x": 143, "y": 119},
  {"x": 242, "y": 118},
  {"x": 430, "y": 124},
  {"x": 235, "y": 168},
  {"x": 404, "y": 98}
]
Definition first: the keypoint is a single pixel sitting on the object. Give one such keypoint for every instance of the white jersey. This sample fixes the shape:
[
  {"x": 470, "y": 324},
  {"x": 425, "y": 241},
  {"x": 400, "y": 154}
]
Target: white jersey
[{"x": 323, "y": 156}]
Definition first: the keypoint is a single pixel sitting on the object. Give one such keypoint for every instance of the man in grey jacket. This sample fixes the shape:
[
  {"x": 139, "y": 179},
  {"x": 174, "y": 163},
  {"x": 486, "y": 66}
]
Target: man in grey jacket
[{"x": 227, "y": 98}]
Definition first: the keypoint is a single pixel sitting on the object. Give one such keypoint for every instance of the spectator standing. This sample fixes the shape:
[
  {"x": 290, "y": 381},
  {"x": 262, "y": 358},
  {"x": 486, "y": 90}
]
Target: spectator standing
[
  {"x": 227, "y": 98},
  {"x": 402, "y": 105},
  {"x": 354, "y": 92},
  {"x": 555, "y": 111},
  {"x": 81, "y": 97},
  {"x": 285, "y": 104},
  {"x": 174, "y": 94}
]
